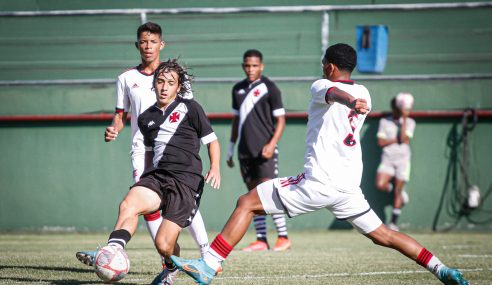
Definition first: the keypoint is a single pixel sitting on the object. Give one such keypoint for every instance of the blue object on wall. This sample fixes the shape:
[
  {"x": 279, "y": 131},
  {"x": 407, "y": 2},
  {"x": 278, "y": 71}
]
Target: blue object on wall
[{"x": 372, "y": 48}]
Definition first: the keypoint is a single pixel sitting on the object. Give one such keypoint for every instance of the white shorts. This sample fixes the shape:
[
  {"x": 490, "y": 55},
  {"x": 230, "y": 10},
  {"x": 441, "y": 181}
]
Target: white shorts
[
  {"x": 297, "y": 195},
  {"x": 399, "y": 168}
]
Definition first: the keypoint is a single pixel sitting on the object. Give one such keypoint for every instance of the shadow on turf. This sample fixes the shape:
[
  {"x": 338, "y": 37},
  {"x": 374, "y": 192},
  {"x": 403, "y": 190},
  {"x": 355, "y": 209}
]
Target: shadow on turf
[{"x": 50, "y": 281}]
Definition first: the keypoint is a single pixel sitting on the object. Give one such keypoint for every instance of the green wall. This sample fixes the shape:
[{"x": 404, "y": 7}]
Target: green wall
[{"x": 62, "y": 174}]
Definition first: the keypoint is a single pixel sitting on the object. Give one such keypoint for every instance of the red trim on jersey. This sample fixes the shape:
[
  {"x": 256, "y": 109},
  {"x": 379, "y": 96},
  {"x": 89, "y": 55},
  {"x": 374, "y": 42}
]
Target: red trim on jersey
[
  {"x": 152, "y": 216},
  {"x": 327, "y": 94},
  {"x": 118, "y": 110},
  {"x": 221, "y": 246},
  {"x": 140, "y": 69},
  {"x": 344, "y": 81},
  {"x": 424, "y": 257}
]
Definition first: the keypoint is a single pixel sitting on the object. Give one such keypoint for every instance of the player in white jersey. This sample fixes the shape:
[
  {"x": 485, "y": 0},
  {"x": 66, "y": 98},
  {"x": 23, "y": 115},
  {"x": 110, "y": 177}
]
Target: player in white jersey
[
  {"x": 134, "y": 91},
  {"x": 331, "y": 177},
  {"x": 394, "y": 134}
]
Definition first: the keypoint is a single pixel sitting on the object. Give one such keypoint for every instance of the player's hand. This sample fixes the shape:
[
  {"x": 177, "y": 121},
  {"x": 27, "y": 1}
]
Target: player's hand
[
  {"x": 230, "y": 162},
  {"x": 268, "y": 151},
  {"x": 405, "y": 113},
  {"x": 213, "y": 176},
  {"x": 110, "y": 134},
  {"x": 359, "y": 105}
]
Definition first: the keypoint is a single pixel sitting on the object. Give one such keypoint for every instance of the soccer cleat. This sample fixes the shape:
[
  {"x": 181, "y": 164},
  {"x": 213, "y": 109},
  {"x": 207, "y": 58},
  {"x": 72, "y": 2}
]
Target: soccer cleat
[
  {"x": 257, "y": 245},
  {"x": 404, "y": 197},
  {"x": 195, "y": 268},
  {"x": 87, "y": 257},
  {"x": 393, "y": 227},
  {"x": 166, "y": 277},
  {"x": 451, "y": 276},
  {"x": 282, "y": 244}
]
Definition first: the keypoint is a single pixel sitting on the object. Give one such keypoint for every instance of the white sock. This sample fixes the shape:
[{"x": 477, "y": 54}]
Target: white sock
[
  {"x": 199, "y": 233},
  {"x": 213, "y": 259},
  {"x": 434, "y": 265},
  {"x": 153, "y": 226},
  {"x": 279, "y": 220}
]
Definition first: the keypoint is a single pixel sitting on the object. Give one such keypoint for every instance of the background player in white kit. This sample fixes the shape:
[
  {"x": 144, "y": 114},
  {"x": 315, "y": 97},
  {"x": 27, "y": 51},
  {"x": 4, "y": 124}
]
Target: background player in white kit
[
  {"x": 394, "y": 134},
  {"x": 331, "y": 177},
  {"x": 134, "y": 91}
]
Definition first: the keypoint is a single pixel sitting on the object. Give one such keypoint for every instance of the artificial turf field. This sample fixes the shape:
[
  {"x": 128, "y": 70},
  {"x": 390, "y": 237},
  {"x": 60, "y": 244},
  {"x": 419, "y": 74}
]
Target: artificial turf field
[{"x": 317, "y": 257}]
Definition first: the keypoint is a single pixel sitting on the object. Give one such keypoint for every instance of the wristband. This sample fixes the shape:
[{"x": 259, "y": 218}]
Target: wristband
[{"x": 230, "y": 150}]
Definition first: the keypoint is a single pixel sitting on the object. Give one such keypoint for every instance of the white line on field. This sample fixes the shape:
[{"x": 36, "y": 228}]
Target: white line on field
[
  {"x": 341, "y": 274},
  {"x": 475, "y": 255}
]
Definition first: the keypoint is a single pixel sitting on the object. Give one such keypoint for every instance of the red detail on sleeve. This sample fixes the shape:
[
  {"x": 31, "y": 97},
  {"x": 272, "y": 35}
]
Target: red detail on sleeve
[
  {"x": 327, "y": 94},
  {"x": 424, "y": 257},
  {"x": 221, "y": 246},
  {"x": 118, "y": 110},
  {"x": 153, "y": 216}
]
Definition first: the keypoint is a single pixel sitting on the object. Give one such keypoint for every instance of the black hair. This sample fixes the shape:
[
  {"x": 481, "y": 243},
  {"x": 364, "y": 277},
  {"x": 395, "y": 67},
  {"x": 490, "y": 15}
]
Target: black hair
[
  {"x": 184, "y": 79},
  {"x": 253, "y": 53},
  {"x": 341, "y": 55},
  {"x": 393, "y": 104},
  {"x": 150, "y": 27}
]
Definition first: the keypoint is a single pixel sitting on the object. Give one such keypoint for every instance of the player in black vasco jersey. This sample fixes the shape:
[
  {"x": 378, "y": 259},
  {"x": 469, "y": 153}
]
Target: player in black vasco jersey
[{"x": 258, "y": 124}]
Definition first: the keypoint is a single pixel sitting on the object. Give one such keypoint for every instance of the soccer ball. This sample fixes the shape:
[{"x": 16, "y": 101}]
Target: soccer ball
[{"x": 112, "y": 263}]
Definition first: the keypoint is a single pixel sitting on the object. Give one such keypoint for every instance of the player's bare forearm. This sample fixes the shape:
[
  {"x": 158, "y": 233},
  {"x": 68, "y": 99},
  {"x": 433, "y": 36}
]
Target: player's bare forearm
[
  {"x": 279, "y": 130},
  {"x": 386, "y": 142},
  {"x": 403, "y": 137},
  {"x": 119, "y": 120},
  {"x": 213, "y": 175},
  {"x": 344, "y": 98},
  {"x": 234, "y": 129},
  {"x": 111, "y": 132}
]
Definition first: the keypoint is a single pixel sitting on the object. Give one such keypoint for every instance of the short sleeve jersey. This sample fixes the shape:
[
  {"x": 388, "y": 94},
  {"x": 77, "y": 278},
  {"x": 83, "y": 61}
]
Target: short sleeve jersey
[
  {"x": 175, "y": 135},
  {"x": 389, "y": 128},
  {"x": 134, "y": 92},
  {"x": 256, "y": 104},
  {"x": 333, "y": 152}
]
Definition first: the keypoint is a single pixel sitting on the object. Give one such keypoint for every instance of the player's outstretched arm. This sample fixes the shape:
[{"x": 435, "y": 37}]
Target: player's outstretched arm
[
  {"x": 342, "y": 97},
  {"x": 213, "y": 175},
  {"x": 269, "y": 148},
  {"x": 118, "y": 124}
]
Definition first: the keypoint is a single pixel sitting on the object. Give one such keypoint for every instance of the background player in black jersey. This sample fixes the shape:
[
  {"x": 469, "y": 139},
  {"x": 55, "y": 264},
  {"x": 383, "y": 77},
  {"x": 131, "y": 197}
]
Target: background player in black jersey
[
  {"x": 172, "y": 129},
  {"x": 258, "y": 124}
]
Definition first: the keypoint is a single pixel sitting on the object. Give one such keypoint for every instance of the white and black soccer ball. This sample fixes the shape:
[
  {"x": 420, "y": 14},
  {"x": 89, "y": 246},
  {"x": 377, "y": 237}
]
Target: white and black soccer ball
[{"x": 112, "y": 264}]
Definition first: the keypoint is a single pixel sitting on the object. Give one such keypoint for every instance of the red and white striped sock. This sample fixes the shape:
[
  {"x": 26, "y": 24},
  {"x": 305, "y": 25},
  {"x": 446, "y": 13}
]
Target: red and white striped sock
[
  {"x": 217, "y": 253},
  {"x": 429, "y": 261},
  {"x": 153, "y": 221}
]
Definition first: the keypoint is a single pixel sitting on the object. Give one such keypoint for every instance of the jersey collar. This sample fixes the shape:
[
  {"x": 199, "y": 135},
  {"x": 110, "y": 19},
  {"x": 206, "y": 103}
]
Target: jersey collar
[{"x": 350, "y": 82}]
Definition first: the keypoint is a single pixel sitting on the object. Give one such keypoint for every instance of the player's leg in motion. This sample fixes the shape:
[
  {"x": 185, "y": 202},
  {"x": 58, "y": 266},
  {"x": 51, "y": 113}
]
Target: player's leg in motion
[
  {"x": 166, "y": 244},
  {"x": 138, "y": 201},
  {"x": 204, "y": 270},
  {"x": 397, "y": 204},
  {"x": 199, "y": 233},
  {"x": 261, "y": 242},
  {"x": 386, "y": 237}
]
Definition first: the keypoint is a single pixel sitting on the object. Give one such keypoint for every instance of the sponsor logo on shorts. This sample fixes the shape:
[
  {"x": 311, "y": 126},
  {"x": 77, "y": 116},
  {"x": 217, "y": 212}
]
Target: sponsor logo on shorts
[{"x": 292, "y": 180}]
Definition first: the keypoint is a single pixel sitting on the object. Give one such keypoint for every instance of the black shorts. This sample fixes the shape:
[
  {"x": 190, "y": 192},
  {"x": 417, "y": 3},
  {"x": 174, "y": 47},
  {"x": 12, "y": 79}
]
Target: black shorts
[
  {"x": 179, "y": 202},
  {"x": 259, "y": 168}
]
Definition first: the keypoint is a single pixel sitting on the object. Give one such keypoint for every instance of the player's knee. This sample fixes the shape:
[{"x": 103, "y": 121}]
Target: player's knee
[
  {"x": 380, "y": 185},
  {"x": 164, "y": 247},
  {"x": 244, "y": 203},
  {"x": 382, "y": 237},
  {"x": 125, "y": 208}
]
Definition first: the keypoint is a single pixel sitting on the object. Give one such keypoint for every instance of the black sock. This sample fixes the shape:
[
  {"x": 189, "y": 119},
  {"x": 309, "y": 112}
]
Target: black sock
[
  {"x": 119, "y": 238},
  {"x": 170, "y": 266},
  {"x": 395, "y": 214},
  {"x": 263, "y": 239}
]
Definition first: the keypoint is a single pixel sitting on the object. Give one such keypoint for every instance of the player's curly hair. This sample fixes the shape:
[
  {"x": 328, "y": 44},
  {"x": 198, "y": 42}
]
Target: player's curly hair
[
  {"x": 184, "y": 78},
  {"x": 341, "y": 55}
]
